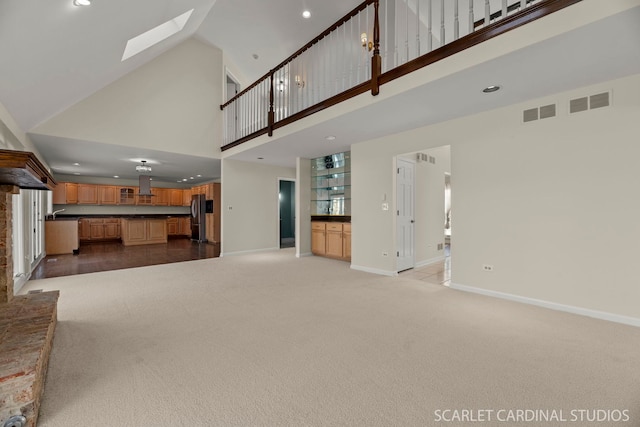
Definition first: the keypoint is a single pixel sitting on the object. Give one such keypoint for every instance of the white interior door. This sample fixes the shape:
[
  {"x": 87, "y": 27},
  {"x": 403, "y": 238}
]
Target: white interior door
[{"x": 404, "y": 211}]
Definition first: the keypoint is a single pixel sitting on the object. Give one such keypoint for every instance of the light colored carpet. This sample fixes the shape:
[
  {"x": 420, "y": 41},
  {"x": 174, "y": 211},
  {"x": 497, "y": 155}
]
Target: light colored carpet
[{"x": 271, "y": 340}]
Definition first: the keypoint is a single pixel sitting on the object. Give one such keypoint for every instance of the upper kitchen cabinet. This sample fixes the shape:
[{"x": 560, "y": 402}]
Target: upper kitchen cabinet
[
  {"x": 65, "y": 193},
  {"x": 160, "y": 196},
  {"x": 87, "y": 194},
  {"x": 107, "y": 195},
  {"x": 186, "y": 197},
  {"x": 175, "y": 197}
]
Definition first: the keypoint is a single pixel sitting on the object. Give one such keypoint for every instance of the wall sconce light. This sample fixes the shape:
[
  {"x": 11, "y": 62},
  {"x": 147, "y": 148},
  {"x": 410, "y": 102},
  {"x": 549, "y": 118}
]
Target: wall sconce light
[
  {"x": 364, "y": 39},
  {"x": 299, "y": 81}
]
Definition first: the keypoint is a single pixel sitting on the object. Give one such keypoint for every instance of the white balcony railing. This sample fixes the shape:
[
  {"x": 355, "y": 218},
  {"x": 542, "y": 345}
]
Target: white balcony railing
[{"x": 340, "y": 59}]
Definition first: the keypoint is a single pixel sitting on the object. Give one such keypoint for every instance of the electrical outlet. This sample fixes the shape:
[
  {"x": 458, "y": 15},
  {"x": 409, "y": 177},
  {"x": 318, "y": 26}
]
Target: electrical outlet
[
  {"x": 385, "y": 253},
  {"x": 487, "y": 267}
]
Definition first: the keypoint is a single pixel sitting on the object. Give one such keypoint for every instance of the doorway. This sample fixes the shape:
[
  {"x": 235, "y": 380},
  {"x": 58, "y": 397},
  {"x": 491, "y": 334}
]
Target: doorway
[
  {"x": 232, "y": 88},
  {"x": 287, "y": 206}
]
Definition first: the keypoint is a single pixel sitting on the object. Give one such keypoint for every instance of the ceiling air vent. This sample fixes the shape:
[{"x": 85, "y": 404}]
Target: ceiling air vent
[{"x": 590, "y": 102}]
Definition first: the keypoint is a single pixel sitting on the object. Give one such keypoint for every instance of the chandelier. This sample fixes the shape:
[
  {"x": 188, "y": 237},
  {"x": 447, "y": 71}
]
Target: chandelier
[{"x": 143, "y": 167}]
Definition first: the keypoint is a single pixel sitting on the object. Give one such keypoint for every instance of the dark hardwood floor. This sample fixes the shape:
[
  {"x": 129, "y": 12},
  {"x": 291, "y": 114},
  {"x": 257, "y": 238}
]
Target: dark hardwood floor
[{"x": 103, "y": 256}]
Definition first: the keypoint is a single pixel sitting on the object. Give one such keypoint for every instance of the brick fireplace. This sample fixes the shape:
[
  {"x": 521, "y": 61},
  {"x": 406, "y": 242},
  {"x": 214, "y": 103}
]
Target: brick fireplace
[{"x": 27, "y": 322}]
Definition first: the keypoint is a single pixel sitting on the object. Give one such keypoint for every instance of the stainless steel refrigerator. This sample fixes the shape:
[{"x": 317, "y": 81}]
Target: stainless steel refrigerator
[{"x": 198, "y": 222}]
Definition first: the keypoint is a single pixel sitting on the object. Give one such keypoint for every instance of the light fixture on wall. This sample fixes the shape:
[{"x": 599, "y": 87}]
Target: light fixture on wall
[
  {"x": 365, "y": 41},
  {"x": 299, "y": 81},
  {"x": 143, "y": 167},
  {"x": 81, "y": 2}
]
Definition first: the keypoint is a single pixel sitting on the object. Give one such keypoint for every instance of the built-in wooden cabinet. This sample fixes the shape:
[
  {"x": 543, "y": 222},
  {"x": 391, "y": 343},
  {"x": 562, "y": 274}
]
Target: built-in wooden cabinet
[
  {"x": 87, "y": 194},
  {"x": 107, "y": 194},
  {"x": 175, "y": 197},
  {"x": 184, "y": 226},
  {"x": 160, "y": 196},
  {"x": 331, "y": 239},
  {"x": 143, "y": 231},
  {"x": 173, "y": 225},
  {"x": 127, "y": 196},
  {"x": 95, "y": 229},
  {"x": 65, "y": 193},
  {"x": 186, "y": 197}
]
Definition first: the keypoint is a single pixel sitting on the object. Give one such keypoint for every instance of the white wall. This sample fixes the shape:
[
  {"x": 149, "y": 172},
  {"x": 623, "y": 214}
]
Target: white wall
[
  {"x": 170, "y": 104},
  {"x": 250, "y": 208},
  {"x": 552, "y": 204}
]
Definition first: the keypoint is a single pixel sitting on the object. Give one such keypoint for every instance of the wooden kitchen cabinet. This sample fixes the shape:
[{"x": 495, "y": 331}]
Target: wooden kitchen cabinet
[
  {"x": 107, "y": 195},
  {"x": 143, "y": 231},
  {"x": 186, "y": 197},
  {"x": 65, "y": 193},
  {"x": 318, "y": 240},
  {"x": 160, "y": 196},
  {"x": 84, "y": 229},
  {"x": 172, "y": 226},
  {"x": 185, "y": 226},
  {"x": 175, "y": 197},
  {"x": 331, "y": 239},
  {"x": 127, "y": 196},
  {"x": 112, "y": 228},
  {"x": 87, "y": 194},
  {"x": 97, "y": 229}
]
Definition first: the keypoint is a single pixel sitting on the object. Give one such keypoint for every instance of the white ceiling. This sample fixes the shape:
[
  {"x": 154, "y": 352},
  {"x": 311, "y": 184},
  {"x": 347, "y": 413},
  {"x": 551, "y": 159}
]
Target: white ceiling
[{"x": 50, "y": 59}]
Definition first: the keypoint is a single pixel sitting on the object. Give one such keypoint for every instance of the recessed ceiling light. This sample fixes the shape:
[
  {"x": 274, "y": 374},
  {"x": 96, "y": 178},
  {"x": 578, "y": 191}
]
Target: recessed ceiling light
[
  {"x": 191, "y": 178},
  {"x": 116, "y": 176},
  {"x": 198, "y": 176},
  {"x": 330, "y": 138},
  {"x": 76, "y": 164},
  {"x": 492, "y": 88},
  {"x": 306, "y": 14},
  {"x": 81, "y": 2},
  {"x": 184, "y": 179},
  {"x": 76, "y": 173}
]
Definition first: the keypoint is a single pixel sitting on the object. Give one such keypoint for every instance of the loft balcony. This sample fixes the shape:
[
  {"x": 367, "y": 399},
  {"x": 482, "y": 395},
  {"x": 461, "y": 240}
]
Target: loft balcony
[{"x": 374, "y": 44}]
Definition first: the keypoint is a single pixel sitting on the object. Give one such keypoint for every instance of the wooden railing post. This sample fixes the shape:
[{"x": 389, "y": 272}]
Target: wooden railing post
[
  {"x": 272, "y": 115},
  {"x": 376, "y": 60}
]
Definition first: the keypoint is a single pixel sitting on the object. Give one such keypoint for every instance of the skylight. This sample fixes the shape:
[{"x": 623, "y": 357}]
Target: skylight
[{"x": 155, "y": 35}]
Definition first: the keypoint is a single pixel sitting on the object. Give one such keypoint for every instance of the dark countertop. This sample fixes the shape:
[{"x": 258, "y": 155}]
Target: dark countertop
[
  {"x": 131, "y": 216},
  {"x": 331, "y": 218}
]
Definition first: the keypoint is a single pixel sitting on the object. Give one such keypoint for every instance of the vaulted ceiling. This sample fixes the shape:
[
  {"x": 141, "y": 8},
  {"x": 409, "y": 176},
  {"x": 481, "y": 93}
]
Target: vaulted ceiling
[{"x": 54, "y": 54}]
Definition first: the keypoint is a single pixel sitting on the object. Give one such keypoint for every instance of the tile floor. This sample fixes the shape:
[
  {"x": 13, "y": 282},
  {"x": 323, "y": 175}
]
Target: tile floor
[{"x": 437, "y": 274}]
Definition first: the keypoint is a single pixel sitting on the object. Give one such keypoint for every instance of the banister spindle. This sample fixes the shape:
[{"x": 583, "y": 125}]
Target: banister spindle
[
  {"x": 471, "y": 18},
  {"x": 456, "y": 21},
  {"x": 429, "y": 26},
  {"x": 487, "y": 13},
  {"x": 271, "y": 116},
  {"x": 376, "y": 61},
  {"x": 523, "y": 4},
  {"x": 442, "y": 34},
  {"x": 504, "y": 9}
]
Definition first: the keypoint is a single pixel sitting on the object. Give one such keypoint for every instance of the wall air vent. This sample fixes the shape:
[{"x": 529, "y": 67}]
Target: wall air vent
[
  {"x": 578, "y": 105},
  {"x": 548, "y": 111},
  {"x": 544, "y": 112},
  {"x": 530, "y": 115},
  {"x": 598, "y": 101},
  {"x": 585, "y": 103}
]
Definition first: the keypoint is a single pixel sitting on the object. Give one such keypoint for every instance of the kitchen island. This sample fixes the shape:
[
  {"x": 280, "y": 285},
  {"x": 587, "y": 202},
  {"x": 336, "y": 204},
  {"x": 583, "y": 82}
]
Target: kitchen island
[{"x": 143, "y": 231}]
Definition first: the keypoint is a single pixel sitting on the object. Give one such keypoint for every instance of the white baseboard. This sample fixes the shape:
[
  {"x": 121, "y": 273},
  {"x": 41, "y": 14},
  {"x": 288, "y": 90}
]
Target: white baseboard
[
  {"x": 252, "y": 251},
  {"x": 429, "y": 261},
  {"x": 374, "y": 270},
  {"x": 626, "y": 320},
  {"x": 304, "y": 255}
]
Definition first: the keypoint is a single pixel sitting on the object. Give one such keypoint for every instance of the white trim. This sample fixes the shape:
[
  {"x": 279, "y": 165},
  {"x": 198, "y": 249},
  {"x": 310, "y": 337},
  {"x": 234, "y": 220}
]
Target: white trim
[
  {"x": 306, "y": 254},
  {"x": 612, "y": 317},
  {"x": 430, "y": 261},
  {"x": 252, "y": 251},
  {"x": 374, "y": 270}
]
